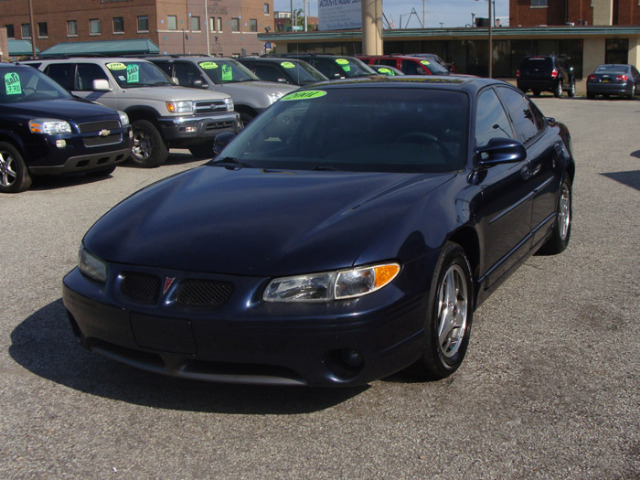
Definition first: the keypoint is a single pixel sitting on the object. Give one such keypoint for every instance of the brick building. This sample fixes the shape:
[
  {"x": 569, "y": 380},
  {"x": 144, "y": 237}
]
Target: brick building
[
  {"x": 176, "y": 26},
  {"x": 533, "y": 13}
]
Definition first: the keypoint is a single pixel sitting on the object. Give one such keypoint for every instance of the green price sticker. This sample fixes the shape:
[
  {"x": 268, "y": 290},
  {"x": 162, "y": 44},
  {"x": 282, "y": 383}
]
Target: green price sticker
[
  {"x": 208, "y": 65},
  {"x": 288, "y": 65},
  {"x": 12, "y": 84},
  {"x": 116, "y": 66},
  {"x": 305, "y": 95},
  {"x": 133, "y": 73},
  {"x": 342, "y": 61},
  {"x": 424, "y": 62},
  {"x": 227, "y": 73},
  {"x": 386, "y": 71}
]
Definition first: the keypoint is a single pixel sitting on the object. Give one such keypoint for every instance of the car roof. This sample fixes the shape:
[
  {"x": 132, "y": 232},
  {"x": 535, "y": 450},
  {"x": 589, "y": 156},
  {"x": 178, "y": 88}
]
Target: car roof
[{"x": 467, "y": 83}]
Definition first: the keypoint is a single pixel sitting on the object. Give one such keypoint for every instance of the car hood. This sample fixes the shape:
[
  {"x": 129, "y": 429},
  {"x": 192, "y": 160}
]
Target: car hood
[
  {"x": 172, "y": 93},
  {"x": 260, "y": 222},
  {"x": 64, "y": 109},
  {"x": 239, "y": 88}
]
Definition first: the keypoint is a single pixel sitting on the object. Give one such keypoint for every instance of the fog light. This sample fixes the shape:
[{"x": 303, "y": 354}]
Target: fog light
[
  {"x": 351, "y": 358},
  {"x": 190, "y": 129},
  {"x": 61, "y": 143}
]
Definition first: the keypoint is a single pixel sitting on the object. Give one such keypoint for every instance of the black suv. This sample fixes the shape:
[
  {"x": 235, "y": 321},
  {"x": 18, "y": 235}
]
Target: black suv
[
  {"x": 546, "y": 74},
  {"x": 44, "y": 130},
  {"x": 283, "y": 70}
]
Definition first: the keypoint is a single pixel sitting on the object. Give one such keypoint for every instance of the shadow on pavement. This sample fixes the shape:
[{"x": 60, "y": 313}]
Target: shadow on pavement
[
  {"x": 630, "y": 179},
  {"x": 44, "y": 344}
]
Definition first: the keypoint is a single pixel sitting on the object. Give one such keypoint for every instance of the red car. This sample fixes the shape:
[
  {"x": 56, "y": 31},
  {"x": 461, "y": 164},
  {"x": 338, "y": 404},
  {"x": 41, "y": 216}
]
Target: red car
[{"x": 406, "y": 64}]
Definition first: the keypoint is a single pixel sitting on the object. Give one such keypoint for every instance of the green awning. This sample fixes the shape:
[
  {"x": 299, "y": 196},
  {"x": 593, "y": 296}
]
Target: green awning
[
  {"x": 103, "y": 47},
  {"x": 20, "y": 48}
]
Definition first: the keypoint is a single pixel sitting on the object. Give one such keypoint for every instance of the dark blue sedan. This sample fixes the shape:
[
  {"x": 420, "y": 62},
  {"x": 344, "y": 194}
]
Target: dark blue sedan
[{"x": 348, "y": 232}]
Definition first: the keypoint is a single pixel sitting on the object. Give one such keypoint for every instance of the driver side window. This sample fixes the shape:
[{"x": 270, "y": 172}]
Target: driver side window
[{"x": 491, "y": 119}]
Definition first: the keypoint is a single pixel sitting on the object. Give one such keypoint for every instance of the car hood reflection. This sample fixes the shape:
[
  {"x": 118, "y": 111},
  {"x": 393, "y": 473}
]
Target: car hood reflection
[{"x": 260, "y": 222}]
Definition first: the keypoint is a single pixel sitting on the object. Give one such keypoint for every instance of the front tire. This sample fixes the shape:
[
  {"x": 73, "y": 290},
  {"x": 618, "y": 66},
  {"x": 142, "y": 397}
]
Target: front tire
[
  {"x": 558, "y": 90},
  {"x": 561, "y": 233},
  {"x": 14, "y": 174},
  {"x": 149, "y": 149},
  {"x": 449, "y": 315},
  {"x": 572, "y": 89}
]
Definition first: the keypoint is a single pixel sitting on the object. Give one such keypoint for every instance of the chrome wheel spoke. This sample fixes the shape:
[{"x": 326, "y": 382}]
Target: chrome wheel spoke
[
  {"x": 7, "y": 174},
  {"x": 452, "y": 317}
]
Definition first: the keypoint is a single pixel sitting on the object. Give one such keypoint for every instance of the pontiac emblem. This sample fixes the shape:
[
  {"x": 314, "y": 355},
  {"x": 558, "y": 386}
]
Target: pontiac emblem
[
  {"x": 168, "y": 281},
  {"x": 104, "y": 132}
]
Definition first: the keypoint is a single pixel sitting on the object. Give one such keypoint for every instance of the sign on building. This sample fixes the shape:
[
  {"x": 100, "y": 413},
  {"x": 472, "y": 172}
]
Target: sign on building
[{"x": 339, "y": 14}]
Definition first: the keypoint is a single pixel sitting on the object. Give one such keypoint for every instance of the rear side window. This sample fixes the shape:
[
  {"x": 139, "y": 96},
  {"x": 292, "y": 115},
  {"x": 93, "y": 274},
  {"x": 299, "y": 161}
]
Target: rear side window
[{"x": 61, "y": 73}]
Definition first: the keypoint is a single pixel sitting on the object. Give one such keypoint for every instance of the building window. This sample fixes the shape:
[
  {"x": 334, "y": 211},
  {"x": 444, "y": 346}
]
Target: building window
[
  {"x": 43, "y": 31},
  {"x": 219, "y": 24},
  {"x": 143, "y": 23},
  {"x": 195, "y": 24},
  {"x": 253, "y": 25},
  {"x": 72, "y": 28},
  {"x": 10, "y": 31},
  {"x": 538, "y": 3},
  {"x": 26, "y": 30},
  {"x": 94, "y": 26},
  {"x": 118, "y": 24},
  {"x": 172, "y": 22},
  {"x": 235, "y": 24},
  {"x": 266, "y": 9}
]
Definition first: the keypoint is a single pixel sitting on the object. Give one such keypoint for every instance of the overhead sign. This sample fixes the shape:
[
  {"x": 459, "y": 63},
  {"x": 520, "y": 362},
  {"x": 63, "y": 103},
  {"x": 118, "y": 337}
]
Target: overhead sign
[{"x": 339, "y": 14}]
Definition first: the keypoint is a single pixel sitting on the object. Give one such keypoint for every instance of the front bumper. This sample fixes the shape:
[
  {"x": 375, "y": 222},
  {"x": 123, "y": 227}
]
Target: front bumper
[
  {"x": 188, "y": 130},
  {"x": 250, "y": 341}
]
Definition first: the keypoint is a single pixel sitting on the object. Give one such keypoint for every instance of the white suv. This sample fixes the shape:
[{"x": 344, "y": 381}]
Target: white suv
[{"x": 162, "y": 114}]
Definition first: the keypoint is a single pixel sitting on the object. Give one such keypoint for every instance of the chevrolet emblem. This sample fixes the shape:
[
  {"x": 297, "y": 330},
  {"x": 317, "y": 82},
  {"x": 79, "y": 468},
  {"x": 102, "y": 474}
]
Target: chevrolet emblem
[{"x": 104, "y": 132}]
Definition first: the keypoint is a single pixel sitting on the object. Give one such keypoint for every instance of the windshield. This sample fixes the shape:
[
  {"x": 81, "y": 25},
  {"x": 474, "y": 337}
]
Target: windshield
[
  {"x": 138, "y": 74},
  {"x": 26, "y": 84},
  {"x": 367, "y": 129},
  {"x": 227, "y": 71},
  {"x": 434, "y": 67},
  {"x": 342, "y": 67},
  {"x": 302, "y": 72}
]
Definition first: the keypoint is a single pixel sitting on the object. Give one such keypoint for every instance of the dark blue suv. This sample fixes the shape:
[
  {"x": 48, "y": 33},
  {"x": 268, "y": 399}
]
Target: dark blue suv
[{"x": 44, "y": 131}]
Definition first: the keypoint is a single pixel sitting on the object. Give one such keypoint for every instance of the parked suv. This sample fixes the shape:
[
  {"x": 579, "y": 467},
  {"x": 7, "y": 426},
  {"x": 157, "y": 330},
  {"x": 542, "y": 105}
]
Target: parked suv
[
  {"x": 44, "y": 130},
  {"x": 546, "y": 74},
  {"x": 250, "y": 95},
  {"x": 334, "y": 66},
  {"x": 283, "y": 70},
  {"x": 407, "y": 64},
  {"x": 162, "y": 114}
]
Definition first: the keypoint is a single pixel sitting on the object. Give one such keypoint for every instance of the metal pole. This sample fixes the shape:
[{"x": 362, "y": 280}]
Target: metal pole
[
  {"x": 33, "y": 30},
  {"x": 291, "y": 12},
  {"x": 304, "y": 3},
  {"x": 490, "y": 41},
  {"x": 206, "y": 25}
]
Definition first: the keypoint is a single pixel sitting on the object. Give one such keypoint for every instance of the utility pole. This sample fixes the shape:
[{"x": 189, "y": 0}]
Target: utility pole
[
  {"x": 490, "y": 40},
  {"x": 207, "y": 26},
  {"x": 33, "y": 30}
]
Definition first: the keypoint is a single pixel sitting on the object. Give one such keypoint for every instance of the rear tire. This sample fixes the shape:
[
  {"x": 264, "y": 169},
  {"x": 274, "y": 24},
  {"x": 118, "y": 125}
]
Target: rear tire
[
  {"x": 14, "y": 174},
  {"x": 590, "y": 96},
  {"x": 449, "y": 315},
  {"x": 149, "y": 149},
  {"x": 557, "y": 92},
  {"x": 561, "y": 233},
  {"x": 572, "y": 89}
]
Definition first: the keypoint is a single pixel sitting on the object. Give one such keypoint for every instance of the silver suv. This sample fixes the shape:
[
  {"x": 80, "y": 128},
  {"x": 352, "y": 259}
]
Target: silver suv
[
  {"x": 250, "y": 94},
  {"x": 162, "y": 114}
]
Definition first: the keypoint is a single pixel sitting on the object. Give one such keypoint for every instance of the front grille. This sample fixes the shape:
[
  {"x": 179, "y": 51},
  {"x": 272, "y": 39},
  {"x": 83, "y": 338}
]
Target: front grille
[
  {"x": 140, "y": 287},
  {"x": 210, "y": 106},
  {"x": 99, "y": 141},
  {"x": 97, "y": 126},
  {"x": 219, "y": 126},
  {"x": 204, "y": 293}
]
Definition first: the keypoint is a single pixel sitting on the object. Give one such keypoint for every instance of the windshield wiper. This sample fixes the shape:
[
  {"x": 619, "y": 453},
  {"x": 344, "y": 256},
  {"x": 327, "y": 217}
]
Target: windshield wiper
[{"x": 230, "y": 162}]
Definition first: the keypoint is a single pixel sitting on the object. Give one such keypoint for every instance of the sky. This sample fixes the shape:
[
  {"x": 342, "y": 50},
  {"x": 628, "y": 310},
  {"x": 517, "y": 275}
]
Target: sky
[{"x": 449, "y": 13}]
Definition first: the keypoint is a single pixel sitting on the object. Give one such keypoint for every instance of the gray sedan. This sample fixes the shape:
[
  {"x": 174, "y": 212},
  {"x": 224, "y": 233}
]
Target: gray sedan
[{"x": 613, "y": 79}]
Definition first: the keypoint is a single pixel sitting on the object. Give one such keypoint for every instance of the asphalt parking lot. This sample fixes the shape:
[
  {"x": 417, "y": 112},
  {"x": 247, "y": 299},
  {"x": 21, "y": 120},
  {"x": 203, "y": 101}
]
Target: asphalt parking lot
[{"x": 550, "y": 387}]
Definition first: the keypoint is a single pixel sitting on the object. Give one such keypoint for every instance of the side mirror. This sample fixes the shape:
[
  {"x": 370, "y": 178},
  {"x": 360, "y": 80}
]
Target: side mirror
[
  {"x": 282, "y": 80},
  {"x": 101, "y": 85},
  {"x": 501, "y": 150},
  {"x": 221, "y": 141},
  {"x": 199, "y": 84}
]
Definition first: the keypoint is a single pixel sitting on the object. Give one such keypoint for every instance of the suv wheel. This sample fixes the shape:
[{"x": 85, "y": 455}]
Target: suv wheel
[
  {"x": 14, "y": 175},
  {"x": 572, "y": 89},
  {"x": 558, "y": 90},
  {"x": 149, "y": 150}
]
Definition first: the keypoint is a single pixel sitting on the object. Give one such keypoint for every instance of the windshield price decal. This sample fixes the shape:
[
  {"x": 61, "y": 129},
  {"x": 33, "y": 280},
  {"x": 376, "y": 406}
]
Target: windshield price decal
[
  {"x": 12, "y": 84},
  {"x": 116, "y": 66},
  {"x": 342, "y": 61},
  {"x": 133, "y": 73},
  {"x": 424, "y": 62},
  {"x": 208, "y": 65},
  {"x": 306, "y": 95},
  {"x": 288, "y": 65},
  {"x": 386, "y": 71},
  {"x": 227, "y": 73}
]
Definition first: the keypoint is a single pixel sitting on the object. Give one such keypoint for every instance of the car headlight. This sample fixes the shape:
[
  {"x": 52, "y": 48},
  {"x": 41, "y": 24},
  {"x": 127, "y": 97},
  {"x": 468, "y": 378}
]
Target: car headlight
[
  {"x": 49, "y": 126},
  {"x": 229, "y": 103},
  {"x": 92, "y": 266},
  {"x": 124, "y": 118},
  {"x": 337, "y": 285},
  {"x": 184, "y": 106}
]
